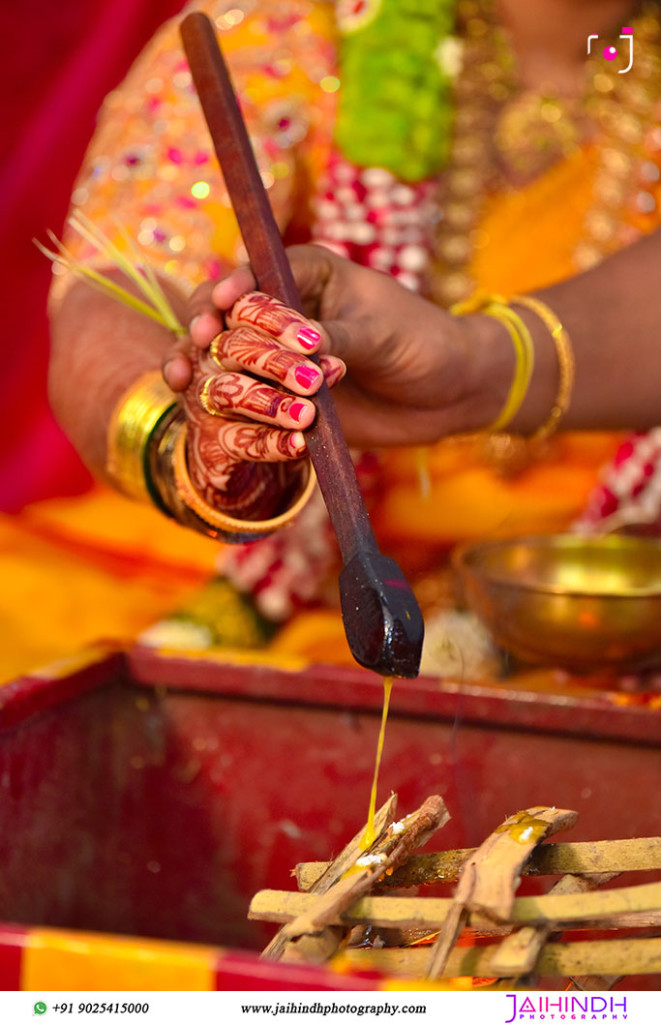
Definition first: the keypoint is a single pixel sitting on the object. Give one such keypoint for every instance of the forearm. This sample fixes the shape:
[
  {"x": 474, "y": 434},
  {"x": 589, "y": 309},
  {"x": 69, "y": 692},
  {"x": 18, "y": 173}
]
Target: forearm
[
  {"x": 613, "y": 317},
  {"x": 99, "y": 348}
]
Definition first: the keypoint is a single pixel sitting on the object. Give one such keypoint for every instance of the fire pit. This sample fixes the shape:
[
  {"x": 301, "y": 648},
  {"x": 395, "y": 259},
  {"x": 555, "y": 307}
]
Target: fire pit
[{"x": 150, "y": 796}]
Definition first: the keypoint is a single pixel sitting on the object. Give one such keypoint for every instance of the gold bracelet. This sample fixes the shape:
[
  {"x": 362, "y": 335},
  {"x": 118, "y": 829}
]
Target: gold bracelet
[
  {"x": 497, "y": 307},
  {"x": 220, "y": 522},
  {"x": 134, "y": 420},
  {"x": 566, "y": 363}
]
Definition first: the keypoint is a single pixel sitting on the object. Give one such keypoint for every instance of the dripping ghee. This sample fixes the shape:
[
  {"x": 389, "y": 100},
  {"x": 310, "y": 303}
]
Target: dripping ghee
[{"x": 369, "y": 835}]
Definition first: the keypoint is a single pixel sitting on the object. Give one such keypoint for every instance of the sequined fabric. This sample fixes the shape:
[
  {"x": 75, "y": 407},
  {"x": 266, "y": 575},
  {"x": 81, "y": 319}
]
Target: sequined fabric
[{"x": 151, "y": 167}]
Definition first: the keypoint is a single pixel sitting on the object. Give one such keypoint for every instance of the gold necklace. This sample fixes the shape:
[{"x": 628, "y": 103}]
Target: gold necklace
[{"x": 505, "y": 136}]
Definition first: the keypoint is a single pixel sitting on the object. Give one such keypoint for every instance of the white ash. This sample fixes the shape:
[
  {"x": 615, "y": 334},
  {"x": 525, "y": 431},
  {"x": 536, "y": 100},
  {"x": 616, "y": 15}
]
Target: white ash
[{"x": 370, "y": 860}]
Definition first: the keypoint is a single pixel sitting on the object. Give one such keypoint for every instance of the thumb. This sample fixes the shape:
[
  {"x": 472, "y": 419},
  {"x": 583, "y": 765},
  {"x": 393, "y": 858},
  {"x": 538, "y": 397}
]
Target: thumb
[
  {"x": 229, "y": 289},
  {"x": 314, "y": 268},
  {"x": 350, "y": 341}
]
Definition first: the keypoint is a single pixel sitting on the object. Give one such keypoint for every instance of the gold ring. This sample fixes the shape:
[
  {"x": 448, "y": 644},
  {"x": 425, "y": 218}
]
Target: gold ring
[
  {"x": 213, "y": 352},
  {"x": 203, "y": 398}
]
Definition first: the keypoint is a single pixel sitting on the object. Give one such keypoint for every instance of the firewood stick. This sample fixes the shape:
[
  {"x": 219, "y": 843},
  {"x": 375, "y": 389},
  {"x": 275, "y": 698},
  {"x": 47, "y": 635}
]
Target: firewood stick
[
  {"x": 332, "y": 873},
  {"x": 383, "y": 818},
  {"x": 595, "y": 982},
  {"x": 614, "y": 922},
  {"x": 603, "y": 956},
  {"x": 391, "y": 850},
  {"x": 638, "y": 905},
  {"x": 314, "y": 949},
  {"x": 615, "y": 855},
  {"x": 490, "y": 876},
  {"x": 425, "y": 868},
  {"x": 517, "y": 953}
]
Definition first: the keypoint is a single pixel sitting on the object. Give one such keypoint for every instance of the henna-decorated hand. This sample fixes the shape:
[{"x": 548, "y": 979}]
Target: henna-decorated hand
[
  {"x": 414, "y": 372},
  {"x": 243, "y": 433}
]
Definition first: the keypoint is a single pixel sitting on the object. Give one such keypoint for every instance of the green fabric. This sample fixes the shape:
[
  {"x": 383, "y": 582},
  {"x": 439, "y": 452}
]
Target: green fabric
[{"x": 395, "y": 101}]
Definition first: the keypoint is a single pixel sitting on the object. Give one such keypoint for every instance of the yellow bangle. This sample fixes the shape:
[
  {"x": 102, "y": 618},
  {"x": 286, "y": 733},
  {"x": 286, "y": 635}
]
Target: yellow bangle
[
  {"x": 496, "y": 307},
  {"x": 219, "y": 521},
  {"x": 135, "y": 418},
  {"x": 566, "y": 363}
]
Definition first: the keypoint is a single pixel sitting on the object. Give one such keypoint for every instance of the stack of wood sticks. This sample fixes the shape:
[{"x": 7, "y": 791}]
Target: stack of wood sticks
[{"x": 352, "y": 908}]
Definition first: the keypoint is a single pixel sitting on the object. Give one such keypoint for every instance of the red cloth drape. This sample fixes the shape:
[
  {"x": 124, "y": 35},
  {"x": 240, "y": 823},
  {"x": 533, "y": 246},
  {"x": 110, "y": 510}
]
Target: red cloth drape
[{"x": 58, "y": 62}]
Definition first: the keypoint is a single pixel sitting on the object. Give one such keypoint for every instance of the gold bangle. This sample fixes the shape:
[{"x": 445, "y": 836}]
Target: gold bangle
[
  {"x": 220, "y": 521},
  {"x": 496, "y": 307},
  {"x": 134, "y": 420},
  {"x": 566, "y": 363}
]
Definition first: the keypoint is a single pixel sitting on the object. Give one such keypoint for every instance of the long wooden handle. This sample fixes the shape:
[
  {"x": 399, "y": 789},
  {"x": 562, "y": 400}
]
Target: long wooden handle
[{"x": 325, "y": 441}]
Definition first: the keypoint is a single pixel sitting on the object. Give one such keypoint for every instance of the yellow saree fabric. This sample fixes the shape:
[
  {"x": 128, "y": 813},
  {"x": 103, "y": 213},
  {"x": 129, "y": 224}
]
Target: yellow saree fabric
[{"x": 98, "y": 567}]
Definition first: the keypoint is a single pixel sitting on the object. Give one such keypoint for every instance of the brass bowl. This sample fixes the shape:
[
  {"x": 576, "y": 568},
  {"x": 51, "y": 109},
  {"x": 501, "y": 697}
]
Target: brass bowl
[{"x": 580, "y": 603}]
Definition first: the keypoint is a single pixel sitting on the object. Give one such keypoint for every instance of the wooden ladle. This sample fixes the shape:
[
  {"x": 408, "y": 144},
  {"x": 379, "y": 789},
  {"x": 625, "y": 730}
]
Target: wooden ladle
[{"x": 382, "y": 620}]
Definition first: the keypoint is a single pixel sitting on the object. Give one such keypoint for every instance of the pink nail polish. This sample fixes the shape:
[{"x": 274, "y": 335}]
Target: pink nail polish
[
  {"x": 306, "y": 376},
  {"x": 296, "y": 442},
  {"x": 296, "y": 410},
  {"x": 308, "y": 337}
]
